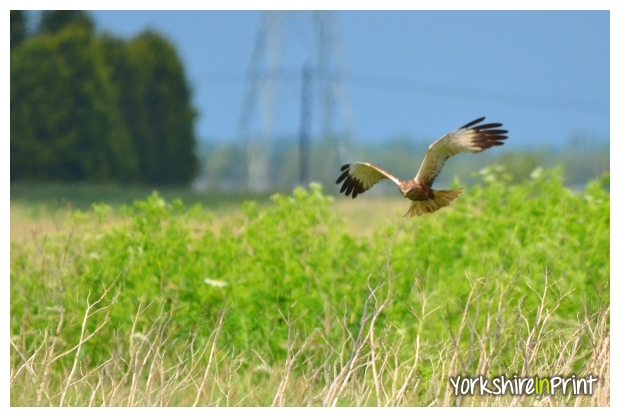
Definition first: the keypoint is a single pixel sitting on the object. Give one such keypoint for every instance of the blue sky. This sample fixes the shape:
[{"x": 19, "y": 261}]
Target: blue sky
[{"x": 544, "y": 74}]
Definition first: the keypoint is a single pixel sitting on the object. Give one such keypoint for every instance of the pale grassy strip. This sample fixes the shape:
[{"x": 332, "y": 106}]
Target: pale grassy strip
[{"x": 149, "y": 373}]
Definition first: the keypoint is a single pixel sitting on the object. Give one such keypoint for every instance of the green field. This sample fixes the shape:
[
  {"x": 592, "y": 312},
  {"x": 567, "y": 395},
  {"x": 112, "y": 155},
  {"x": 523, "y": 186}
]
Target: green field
[{"x": 306, "y": 299}]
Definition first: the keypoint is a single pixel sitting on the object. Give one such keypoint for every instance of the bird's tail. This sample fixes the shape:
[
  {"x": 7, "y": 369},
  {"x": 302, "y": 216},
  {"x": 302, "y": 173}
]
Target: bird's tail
[{"x": 442, "y": 198}]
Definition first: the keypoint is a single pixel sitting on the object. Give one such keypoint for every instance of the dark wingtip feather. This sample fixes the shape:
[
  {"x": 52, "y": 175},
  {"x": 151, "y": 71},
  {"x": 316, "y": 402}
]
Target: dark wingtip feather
[
  {"x": 487, "y": 135},
  {"x": 350, "y": 188},
  {"x": 342, "y": 177},
  {"x": 349, "y": 184},
  {"x": 470, "y": 124},
  {"x": 488, "y": 126}
]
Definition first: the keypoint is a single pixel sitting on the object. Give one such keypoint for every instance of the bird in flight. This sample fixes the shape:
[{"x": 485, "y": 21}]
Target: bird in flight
[{"x": 361, "y": 176}]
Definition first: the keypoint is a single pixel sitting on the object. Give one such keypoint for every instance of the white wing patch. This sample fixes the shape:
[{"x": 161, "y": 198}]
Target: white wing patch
[
  {"x": 361, "y": 176},
  {"x": 469, "y": 139}
]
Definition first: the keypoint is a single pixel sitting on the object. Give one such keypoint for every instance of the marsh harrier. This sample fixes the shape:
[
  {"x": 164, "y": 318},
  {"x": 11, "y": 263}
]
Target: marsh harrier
[{"x": 361, "y": 176}]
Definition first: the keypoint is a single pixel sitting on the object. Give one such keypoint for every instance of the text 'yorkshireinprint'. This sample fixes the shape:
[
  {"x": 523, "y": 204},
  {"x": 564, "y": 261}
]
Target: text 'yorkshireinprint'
[{"x": 522, "y": 386}]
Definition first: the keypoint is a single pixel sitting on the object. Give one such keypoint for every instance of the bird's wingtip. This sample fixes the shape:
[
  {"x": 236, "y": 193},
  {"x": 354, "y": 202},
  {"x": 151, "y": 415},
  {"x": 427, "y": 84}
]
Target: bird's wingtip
[{"x": 474, "y": 122}]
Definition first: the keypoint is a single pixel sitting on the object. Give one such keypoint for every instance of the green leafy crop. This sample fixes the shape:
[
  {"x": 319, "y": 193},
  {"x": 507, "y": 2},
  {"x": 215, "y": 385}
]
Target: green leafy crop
[{"x": 497, "y": 260}]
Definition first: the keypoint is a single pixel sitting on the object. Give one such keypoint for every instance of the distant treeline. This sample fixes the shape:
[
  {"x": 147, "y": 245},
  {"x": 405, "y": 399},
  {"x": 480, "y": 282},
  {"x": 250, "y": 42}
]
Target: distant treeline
[
  {"x": 91, "y": 107},
  {"x": 223, "y": 165}
]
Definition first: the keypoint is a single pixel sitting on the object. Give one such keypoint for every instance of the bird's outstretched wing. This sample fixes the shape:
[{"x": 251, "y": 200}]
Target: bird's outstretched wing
[
  {"x": 361, "y": 176},
  {"x": 469, "y": 138}
]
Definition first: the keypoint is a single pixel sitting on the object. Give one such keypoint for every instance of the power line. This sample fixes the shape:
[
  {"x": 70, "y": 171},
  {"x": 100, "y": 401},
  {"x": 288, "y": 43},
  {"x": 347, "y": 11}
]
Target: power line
[
  {"x": 403, "y": 86},
  {"x": 419, "y": 88}
]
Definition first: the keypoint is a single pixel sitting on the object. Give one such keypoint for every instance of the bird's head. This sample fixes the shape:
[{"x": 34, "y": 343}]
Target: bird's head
[{"x": 405, "y": 188}]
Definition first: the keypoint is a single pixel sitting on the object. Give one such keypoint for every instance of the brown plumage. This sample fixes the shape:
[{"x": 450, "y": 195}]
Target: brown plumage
[{"x": 361, "y": 176}]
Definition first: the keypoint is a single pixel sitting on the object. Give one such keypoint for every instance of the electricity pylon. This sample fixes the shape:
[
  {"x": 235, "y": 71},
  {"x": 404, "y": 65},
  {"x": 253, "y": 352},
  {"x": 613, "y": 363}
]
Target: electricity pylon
[{"x": 263, "y": 75}]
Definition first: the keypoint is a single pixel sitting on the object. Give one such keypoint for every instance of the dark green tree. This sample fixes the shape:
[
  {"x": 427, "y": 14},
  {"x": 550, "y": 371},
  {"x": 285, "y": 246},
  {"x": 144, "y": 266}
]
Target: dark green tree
[
  {"x": 65, "y": 122},
  {"x": 18, "y": 27},
  {"x": 53, "y": 21},
  {"x": 156, "y": 102}
]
